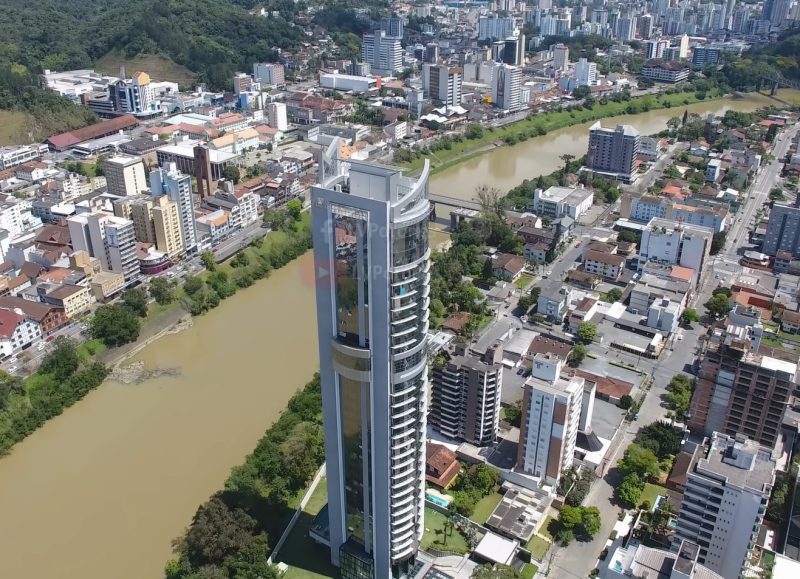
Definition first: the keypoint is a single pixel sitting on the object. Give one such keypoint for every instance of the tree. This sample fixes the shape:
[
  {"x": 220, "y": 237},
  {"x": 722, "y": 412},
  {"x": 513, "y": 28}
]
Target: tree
[
  {"x": 162, "y": 290},
  {"x": 640, "y": 461},
  {"x": 570, "y": 517},
  {"x": 717, "y": 242},
  {"x": 674, "y": 123},
  {"x": 718, "y": 306},
  {"x": 513, "y": 413},
  {"x": 115, "y": 325},
  {"x": 629, "y": 236},
  {"x": 576, "y": 356},
  {"x": 491, "y": 201},
  {"x": 690, "y": 315},
  {"x": 587, "y": 332},
  {"x": 61, "y": 360},
  {"x": 679, "y": 395},
  {"x": 626, "y": 401},
  {"x": 232, "y": 173},
  {"x": 525, "y": 303},
  {"x": 9, "y": 385},
  {"x": 613, "y": 295},
  {"x": 207, "y": 258},
  {"x": 193, "y": 285},
  {"x": 217, "y": 532},
  {"x": 474, "y": 131},
  {"x": 294, "y": 208},
  {"x": 630, "y": 490},
  {"x": 590, "y": 520},
  {"x": 567, "y": 158},
  {"x": 136, "y": 300},
  {"x": 660, "y": 437}
]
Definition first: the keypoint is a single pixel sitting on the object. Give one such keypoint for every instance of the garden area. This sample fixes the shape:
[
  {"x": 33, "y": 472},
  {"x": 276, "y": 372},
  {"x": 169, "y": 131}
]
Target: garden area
[{"x": 442, "y": 534}]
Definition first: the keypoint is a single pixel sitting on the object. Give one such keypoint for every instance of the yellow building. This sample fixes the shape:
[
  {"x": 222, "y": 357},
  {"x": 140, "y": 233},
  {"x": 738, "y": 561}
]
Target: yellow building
[
  {"x": 167, "y": 224},
  {"x": 155, "y": 220},
  {"x": 75, "y": 299},
  {"x": 106, "y": 284},
  {"x": 82, "y": 261}
]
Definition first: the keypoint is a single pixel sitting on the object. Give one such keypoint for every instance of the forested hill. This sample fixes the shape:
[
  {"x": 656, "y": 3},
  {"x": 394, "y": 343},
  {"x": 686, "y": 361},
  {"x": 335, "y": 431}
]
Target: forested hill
[{"x": 212, "y": 38}]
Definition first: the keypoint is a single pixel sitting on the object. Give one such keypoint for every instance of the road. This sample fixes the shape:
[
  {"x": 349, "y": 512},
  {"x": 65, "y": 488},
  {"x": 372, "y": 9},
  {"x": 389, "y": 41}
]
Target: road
[{"x": 578, "y": 559}]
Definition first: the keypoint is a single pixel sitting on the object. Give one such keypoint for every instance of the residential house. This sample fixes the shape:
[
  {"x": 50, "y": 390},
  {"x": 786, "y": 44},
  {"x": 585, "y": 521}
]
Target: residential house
[
  {"x": 508, "y": 266},
  {"x": 790, "y": 322},
  {"x": 553, "y": 300},
  {"x": 582, "y": 312},
  {"x": 441, "y": 465}
]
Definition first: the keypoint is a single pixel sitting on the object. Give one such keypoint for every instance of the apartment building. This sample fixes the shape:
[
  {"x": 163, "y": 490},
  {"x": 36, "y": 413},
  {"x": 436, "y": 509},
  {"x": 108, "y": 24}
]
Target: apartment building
[
  {"x": 727, "y": 490},
  {"x": 551, "y": 414},
  {"x": 585, "y": 73},
  {"x": 666, "y": 242},
  {"x": 16, "y": 331},
  {"x": 17, "y": 155},
  {"x": 783, "y": 230},
  {"x": 276, "y": 115},
  {"x": 605, "y": 265},
  {"x": 495, "y": 27},
  {"x": 613, "y": 152},
  {"x": 507, "y": 88},
  {"x": 269, "y": 73},
  {"x": 643, "y": 208},
  {"x": 178, "y": 188},
  {"x": 465, "y": 397},
  {"x": 384, "y": 53},
  {"x": 665, "y": 71},
  {"x": 110, "y": 239},
  {"x": 373, "y": 350},
  {"x": 739, "y": 390},
  {"x": 442, "y": 83},
  {"x": 124, "y": 175}
]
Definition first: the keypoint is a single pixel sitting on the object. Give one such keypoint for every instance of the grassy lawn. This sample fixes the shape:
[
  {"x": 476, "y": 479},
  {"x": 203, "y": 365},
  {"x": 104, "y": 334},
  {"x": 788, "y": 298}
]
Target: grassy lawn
[
  {"x": 538, "y": 547},
  {"x": 544, "y": 530},
  {"x": 91, "y": 348},
  {"x": 650, "y": 493},
  {"x": 549, "y": 122},
  {"x": 13, "y": 125},
  {"x": 158, "y": 67},
  {"x": 305, "y": 558},
  {"x": 523, "y": 281},
  {"x": 485, "y": 507},
  {"x": 434, "y": 534},
  {"x": 529, "y": 571}
]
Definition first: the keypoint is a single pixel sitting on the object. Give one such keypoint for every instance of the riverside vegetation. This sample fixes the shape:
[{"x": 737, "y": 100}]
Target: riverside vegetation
[
  {"x": 67, "y": 373},
  {"x": 233, "y": 534}
]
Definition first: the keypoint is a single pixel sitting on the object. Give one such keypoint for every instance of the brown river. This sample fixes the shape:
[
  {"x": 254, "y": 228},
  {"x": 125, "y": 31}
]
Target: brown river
[{"x": 101, "y": 491}]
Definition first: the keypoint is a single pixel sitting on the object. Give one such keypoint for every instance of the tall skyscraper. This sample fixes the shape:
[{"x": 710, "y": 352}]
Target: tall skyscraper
[
  {"x": 110, "y": 239},
  {"x": 560, "y": 57},
  {"x": 783, "y": 230},
  {"x": 585, "y": 73},
  {"x": 370, "y": 229},
  {"x": 393, "y": 26},
  {"x": 495, "y": 27},
  {"x": 383, "y": 53},
  {"x": 124, "y": 175},
  {"x": 507, "y": 87},
  {"x": 269, "y": 73},
  {"x": 178, "y": 188}
]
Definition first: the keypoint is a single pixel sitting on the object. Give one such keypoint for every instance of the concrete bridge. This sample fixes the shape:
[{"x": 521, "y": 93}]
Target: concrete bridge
[{"x": 451, "y": 202}]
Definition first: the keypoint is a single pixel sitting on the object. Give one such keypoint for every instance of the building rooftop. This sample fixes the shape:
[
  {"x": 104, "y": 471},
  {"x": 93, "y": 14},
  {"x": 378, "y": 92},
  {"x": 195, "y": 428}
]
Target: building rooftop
[
  {"x": 743, "y": 463},
  {"x": 606, "y": 258},
  {"x": 520, "y": 512}
]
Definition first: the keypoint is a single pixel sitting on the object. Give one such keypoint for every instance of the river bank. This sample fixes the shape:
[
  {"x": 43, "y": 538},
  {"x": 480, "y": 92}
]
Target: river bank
[{"x": 538, "y": 125}]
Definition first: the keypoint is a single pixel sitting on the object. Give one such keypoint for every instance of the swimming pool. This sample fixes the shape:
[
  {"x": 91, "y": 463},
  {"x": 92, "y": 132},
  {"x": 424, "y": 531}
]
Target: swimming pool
[{"x": 437, "y": 500}]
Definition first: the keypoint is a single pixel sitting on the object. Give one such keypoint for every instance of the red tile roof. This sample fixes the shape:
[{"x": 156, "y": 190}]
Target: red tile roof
[
  {"x": 441, "y": 465},
  {"x": 95, "y": 131},
  {"x": 9, "y": 320}
]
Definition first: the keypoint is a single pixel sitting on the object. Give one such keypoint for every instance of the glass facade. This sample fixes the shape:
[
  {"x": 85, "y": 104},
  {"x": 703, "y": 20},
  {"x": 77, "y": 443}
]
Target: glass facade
[
  {"x": 355, "y": 407},
  {"x": 351, "y": 270}
]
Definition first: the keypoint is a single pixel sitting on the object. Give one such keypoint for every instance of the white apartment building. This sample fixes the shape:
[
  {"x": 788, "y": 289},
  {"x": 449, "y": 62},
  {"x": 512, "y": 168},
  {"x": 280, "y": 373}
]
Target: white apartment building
[
  {"x": 728, "y": 487},
  {"x": 556, "y": 202},
  {"x": 11, "y": 218},
  {"x": 13, "y": 156},
  {"x": 110, "y": 239},
  {"x": 383, "y": 53},
  {"x": 550, "y": 419},
  {"x": 276, "y": 114},
  {"x": 507, "y": 88},
  {"x": 585, "y": 73},
  {"x": 125, "y": 175},
  {"x": 667, "y": 242},
  {"x": 495, "y": 27}
]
